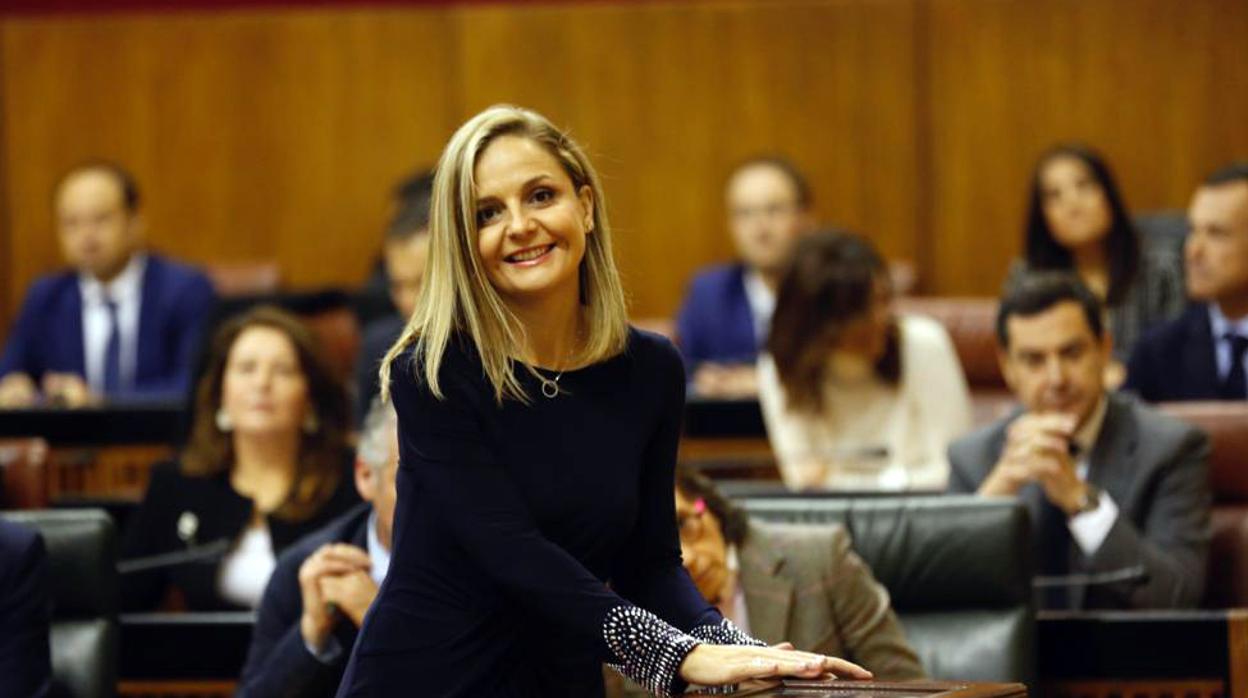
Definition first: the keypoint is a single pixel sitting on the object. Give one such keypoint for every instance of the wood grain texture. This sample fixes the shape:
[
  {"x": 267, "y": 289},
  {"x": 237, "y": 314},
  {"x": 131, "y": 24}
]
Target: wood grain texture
[
  {"x": 277, "y": 134},
  {"x": 1156, "y": 85}
]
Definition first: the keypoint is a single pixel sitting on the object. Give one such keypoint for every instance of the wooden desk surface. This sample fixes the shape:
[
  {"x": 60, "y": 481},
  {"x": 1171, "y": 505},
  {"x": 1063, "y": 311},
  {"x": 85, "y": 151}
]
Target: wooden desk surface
[{"x": 887, "y": 689}]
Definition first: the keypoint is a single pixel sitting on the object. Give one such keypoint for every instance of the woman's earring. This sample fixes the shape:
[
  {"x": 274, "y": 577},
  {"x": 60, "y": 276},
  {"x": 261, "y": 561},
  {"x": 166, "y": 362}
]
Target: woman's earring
[
  {"x": 224, "y": 424},
  {"x": 311, "y": 424}
]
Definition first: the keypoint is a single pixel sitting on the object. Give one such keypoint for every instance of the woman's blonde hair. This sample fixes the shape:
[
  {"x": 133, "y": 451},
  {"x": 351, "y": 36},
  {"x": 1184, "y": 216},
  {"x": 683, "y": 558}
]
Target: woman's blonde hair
[{"x": 457, "y": 297}]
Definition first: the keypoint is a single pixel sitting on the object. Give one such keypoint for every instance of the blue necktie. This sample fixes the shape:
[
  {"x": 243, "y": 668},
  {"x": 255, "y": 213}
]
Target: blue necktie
[
  {"x": 112, "y": 350},
  {"x": 1234, "y": 386}
]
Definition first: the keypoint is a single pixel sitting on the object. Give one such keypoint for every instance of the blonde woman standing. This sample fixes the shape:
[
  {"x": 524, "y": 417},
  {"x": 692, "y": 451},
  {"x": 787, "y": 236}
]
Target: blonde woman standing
[{"x": 535, "y": 537}]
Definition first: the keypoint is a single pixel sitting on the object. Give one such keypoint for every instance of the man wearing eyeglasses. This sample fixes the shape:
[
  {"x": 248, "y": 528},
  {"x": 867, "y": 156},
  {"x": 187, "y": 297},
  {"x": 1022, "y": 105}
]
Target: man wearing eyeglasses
[{"x": 727, "y": 311}]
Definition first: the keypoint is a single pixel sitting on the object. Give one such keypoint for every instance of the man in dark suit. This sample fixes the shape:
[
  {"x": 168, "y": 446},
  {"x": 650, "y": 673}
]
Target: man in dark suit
[
  {"x": 1118, "y": 492},
  {"x": 317, "y": 596},
  {"x": 404, "y": 254},
  {"x": 727, "y": 310},
  {"x": 25, "y": 612},
  {"x": 1202, "y": 355},
  {"x": 121, "y": 323}
]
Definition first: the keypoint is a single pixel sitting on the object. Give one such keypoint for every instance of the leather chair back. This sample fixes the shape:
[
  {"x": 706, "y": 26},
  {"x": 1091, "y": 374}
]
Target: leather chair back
[
  {"x": 1226, "y": 423},
  {"x": 82, "y": 572},
  {"x": 972, "y": 326},
  {"x": 958, "y": 568}
]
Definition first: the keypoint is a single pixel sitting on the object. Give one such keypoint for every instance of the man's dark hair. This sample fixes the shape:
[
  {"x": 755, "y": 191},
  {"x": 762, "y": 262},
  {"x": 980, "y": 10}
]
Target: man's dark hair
[
  {"x": 1037, "y": 292},
  {"x": 125, "y": 181},
  {"x": 801, "y": 187},
  {"x": 733, "y": 521},
  {"x": 1234, "y": 172},
  {"x": 412, "y": 200}
]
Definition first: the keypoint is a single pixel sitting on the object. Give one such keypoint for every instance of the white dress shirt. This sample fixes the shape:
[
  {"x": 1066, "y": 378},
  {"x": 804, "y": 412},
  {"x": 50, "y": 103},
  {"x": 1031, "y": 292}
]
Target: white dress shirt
[
  {"x": 1090, "y": 528},
  {"x": 1221, "y": 325},
  {"x": 762, "y": 302},
  {"x": 246, "y": 569},
  {"x": 126, "y": 290}
]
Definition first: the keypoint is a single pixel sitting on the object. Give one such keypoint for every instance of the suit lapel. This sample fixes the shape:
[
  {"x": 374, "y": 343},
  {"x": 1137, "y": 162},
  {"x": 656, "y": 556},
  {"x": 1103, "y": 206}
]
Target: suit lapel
[
  {"x": 768, "y": 595},
  {"x": 147, "y": 349},
  {"x": 1110, "y": 468},
  {"x": 1200, "y": 369},
  {"x": 75, "y": 340}
]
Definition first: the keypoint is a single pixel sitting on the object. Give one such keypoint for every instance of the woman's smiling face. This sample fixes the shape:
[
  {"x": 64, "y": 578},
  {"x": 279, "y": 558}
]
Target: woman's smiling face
[{"x": 532, "y": 221}]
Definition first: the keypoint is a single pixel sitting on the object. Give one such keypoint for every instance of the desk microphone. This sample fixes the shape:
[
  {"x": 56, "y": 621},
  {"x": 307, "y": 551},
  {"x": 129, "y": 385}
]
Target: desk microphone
[
  {"x": 1126, "y": 574},
  {"x": 200, "y": 553}
]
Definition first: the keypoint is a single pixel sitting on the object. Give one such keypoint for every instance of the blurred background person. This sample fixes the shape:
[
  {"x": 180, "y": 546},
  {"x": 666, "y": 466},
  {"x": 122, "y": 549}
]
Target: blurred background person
[
  {"x": 121, "y": 322},
  {"x": 404, "y": 255},
  {"x": 726, "y": 313},
  {"x": 324, "y": 584},
  {"x": 1202, "y": 354},
  {"x": 267, "y": 462},
  {"x": 1077, "y": 221},
  {"x": 25, "y": 613},
  {"x": 854, "y": 396},
  {"x": 1113, "y": 487}
]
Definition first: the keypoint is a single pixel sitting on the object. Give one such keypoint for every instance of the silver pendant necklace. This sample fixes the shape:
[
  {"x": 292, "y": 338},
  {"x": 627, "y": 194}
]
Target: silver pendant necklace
[{"x": 550, "y": 387}]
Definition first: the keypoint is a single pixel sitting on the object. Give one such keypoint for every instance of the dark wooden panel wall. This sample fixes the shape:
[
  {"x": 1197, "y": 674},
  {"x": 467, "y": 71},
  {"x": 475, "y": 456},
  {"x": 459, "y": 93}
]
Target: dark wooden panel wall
[{"x": 276, "y": 134}]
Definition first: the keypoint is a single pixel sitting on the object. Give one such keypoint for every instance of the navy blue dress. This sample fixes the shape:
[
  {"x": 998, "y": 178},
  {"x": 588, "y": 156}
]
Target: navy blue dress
[{"x": 534, "y": 542}]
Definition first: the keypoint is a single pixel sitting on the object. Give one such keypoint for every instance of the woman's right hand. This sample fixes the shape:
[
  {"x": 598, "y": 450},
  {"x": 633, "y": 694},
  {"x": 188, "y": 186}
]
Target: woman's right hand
[{"x": 717, "y": 665}]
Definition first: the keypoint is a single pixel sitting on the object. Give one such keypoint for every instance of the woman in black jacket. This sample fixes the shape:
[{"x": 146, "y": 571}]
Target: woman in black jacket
[{"x": 267, "y": 462}]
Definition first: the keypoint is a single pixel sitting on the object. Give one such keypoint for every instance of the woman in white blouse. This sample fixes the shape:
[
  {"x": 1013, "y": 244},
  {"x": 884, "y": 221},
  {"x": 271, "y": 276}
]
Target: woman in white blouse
[{"x": 855, "y": 397}]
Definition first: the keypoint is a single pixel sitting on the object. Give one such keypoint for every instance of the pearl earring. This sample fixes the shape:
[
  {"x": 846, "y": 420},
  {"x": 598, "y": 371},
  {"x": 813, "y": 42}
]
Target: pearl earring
[{"x": 224, "y": 424}]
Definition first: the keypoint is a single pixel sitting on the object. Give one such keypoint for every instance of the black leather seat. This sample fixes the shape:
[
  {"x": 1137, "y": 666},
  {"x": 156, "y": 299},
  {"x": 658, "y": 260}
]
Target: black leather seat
[
  {"x": 959, "y": 570},
  {"x": 82, "y": 572}
]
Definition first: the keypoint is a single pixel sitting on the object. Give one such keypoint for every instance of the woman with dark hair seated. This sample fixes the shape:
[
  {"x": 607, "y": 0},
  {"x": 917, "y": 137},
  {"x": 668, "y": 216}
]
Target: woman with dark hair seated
[
  {"x": 267, "y": 462},
  {"x": 1076, "y": 220},
  {"x": 854, "y": 397}
]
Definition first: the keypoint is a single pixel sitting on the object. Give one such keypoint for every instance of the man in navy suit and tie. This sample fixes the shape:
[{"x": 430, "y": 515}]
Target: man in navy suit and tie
[
  {"x": 25, "y": 612},
  {"x": 727, "y": 311},
  {"x": 121, "y": 323},
  {"x": 1201, "y": 355},
  {"x": 323, "y": 585}
]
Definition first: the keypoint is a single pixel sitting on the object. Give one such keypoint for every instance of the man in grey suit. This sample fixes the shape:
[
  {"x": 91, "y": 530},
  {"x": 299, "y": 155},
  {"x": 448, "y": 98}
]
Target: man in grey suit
[{"x": 1118, "y": 493}]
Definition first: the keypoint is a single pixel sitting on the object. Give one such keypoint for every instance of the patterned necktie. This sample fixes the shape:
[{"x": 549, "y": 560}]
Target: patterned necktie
[
  {"x": 112, "y": 350},
  {"x": 1234, "y": 386}
]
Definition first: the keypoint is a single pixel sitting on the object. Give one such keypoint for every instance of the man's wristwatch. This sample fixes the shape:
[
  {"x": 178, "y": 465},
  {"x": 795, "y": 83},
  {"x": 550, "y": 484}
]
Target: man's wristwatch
[{"x": 1091, "y": 499}]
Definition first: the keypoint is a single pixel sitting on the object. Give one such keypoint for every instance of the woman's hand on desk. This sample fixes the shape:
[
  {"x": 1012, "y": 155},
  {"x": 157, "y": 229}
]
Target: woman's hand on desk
[{"x": 716, "y": 665}]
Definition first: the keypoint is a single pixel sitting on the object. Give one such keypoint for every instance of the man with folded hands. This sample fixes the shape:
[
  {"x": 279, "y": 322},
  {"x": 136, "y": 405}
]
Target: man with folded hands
[
  {"x": 1118, "y": 492},
  {"x": 323, "y": 585}
]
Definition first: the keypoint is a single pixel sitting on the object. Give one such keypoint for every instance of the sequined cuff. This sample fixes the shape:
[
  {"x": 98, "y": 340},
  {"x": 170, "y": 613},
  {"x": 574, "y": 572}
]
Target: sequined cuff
[
  {"x": 649, "y": 651},
  {"x": 725, "y": 633}
]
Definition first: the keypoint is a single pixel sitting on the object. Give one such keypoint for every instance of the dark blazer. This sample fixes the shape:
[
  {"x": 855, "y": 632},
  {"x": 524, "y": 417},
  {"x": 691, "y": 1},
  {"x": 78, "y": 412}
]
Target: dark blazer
[
  {"x": 379, "y": 336},
  {"x": 176, "y": 300},
  {"x": 1176, "y": 361},
  {"x": 278, "y": 662},
  {"x": 25, "y": 613},
  {"x": 219, "y": 514},
  {"x": 1156, "y": 470},
  {"x": 715, "y": 323}
]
